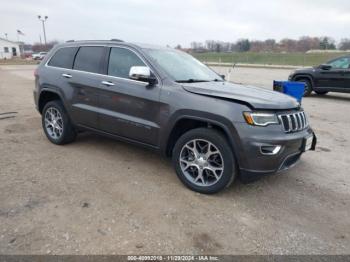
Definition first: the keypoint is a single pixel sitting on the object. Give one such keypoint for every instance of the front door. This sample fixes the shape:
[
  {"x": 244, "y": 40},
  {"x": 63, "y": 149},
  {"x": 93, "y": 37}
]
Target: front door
[
  {"x": 129, "y": 108},
  {"x": 334, "y": 77}
]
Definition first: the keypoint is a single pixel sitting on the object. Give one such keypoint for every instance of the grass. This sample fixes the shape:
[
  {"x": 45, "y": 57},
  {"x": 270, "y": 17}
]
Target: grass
[
  {"x": 291, "y": 59},
  {"x": 18, "y": 61}
]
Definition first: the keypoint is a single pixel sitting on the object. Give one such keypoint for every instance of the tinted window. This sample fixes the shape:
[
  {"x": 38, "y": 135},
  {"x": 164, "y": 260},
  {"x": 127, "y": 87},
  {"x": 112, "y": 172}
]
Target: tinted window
[
  {"x": 342, "y": 63},
  {"x": 121, "y": 60},
  {"x": 88, "y": 59},
  {"x": 64, "y": 57}
]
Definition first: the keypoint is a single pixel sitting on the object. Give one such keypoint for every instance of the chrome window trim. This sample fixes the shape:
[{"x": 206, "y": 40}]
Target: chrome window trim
[{"x": 115, "y": 77}]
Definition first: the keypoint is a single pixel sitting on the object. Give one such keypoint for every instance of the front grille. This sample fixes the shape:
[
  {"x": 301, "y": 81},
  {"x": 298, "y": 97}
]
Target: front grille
[{"x": 294, "y": 122}]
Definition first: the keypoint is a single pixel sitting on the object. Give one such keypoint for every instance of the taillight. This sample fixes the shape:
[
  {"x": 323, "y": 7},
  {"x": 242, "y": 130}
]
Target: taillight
[{"x": 36, "y": 72}]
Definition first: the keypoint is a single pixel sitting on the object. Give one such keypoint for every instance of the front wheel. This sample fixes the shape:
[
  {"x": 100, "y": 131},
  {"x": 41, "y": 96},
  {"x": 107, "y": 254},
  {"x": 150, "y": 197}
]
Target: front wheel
[
  {"x": 308, "y": 86},
  {"x": 204, "y": 161}
]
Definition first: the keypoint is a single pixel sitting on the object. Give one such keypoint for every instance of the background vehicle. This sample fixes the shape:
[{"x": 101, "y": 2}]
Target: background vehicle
[
  {"x": 168, "y": 101},
  {"x": 39, "y": 56},
  {"x": 333, "y": 76}
]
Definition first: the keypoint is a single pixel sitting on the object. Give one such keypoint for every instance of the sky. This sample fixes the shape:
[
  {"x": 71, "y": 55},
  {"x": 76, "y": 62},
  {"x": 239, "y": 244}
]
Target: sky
[{"x": 172, "y": 22}]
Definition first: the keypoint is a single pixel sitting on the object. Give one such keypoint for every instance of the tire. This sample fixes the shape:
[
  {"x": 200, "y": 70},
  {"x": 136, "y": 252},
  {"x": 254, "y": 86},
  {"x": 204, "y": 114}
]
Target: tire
[
  {"x": 56, "y": 123},
  {"x": 308, "y": 86},
  {"x": 219, "y": 159},
  {"x": 321, "y": 92}
]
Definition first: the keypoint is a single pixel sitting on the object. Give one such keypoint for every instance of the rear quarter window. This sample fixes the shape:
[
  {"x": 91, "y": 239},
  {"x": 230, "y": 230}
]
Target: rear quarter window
[
  {"x": 63, "y": 57},
  {"x": 89, "y": 58}
]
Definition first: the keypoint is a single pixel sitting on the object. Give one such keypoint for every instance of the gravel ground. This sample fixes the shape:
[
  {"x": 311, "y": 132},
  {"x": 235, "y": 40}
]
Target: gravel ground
[{"x": 99, "y": 196}]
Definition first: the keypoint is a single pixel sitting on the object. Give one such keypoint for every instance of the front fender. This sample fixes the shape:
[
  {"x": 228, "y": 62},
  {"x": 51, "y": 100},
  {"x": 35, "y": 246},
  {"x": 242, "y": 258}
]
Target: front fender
[
  {"x": 300, "y": 76},
  {"x": 212, "y": 119}
]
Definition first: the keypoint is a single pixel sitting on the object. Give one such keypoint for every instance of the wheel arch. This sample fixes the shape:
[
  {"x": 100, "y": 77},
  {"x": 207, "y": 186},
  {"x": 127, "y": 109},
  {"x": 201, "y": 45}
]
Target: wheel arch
[
  {"x": 46, "y": 95},
  {"x": 305, "y": 76},
  {"x": 186, "y": 123}
]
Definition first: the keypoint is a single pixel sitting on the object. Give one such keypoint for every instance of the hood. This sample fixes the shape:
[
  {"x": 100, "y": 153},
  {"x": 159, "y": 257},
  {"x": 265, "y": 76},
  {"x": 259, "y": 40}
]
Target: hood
[
  {"x": 258, "y": 98},
  {"x": 305, "y": 70}
]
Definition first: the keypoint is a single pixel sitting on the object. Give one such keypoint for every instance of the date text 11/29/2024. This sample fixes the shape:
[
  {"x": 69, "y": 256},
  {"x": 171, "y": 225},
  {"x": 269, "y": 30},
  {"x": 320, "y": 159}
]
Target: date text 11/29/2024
[{"x": 174, "y": 258}]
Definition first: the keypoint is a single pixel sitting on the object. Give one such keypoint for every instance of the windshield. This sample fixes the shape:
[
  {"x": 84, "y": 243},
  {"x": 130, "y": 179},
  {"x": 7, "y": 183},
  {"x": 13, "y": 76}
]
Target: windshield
[{"x": 182, "y": 67}]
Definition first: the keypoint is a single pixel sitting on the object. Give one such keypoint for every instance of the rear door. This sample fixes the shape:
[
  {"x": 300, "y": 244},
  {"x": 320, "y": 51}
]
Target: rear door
[
  {"x": 129, "y": 108},
  {"x": 85, "y": 80},
  {"x": 58, "y": 77}
]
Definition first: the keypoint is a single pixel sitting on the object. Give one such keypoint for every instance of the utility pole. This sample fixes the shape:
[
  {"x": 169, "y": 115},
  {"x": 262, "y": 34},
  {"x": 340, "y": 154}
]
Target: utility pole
[{"x": 43, "y": 20}]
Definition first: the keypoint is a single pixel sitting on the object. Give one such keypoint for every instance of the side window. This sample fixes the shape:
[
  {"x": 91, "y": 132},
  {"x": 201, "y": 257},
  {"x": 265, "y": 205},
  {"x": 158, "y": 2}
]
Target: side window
[
  {"x": 6, "y": 49},
  {"x": 63, "y": 58},
  {"x": 341, "y": 63},
  {"x": 88, "y": 59},
  {"x": 121, "y": 60}
]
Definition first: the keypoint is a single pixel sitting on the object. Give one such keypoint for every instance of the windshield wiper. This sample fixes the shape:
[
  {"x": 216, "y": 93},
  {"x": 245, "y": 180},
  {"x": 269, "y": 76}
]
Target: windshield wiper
[{"x": 191, "y": 80}]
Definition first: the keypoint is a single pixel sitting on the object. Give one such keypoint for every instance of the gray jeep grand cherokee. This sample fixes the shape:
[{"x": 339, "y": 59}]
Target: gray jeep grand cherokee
[{"x": 166, "y": 100}]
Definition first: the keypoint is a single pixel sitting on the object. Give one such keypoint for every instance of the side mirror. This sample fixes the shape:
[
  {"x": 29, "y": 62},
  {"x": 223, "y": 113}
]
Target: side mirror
[
  {"x": 142, "y": 73},
  {"x": 326, "y": 67},
  {"x": 223, "y": 76}
]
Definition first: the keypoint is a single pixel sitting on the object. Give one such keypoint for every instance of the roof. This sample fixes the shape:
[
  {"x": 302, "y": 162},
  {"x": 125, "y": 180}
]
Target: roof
[
  {"x": 118, "y": 42},
  {"x": 6, "y": 40}
]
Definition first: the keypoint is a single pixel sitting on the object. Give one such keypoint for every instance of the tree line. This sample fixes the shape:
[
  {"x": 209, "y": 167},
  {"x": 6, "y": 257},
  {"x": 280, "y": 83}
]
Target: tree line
[
  {"x": 303, "y": 44},
  {"x": 40, "y": 47}
]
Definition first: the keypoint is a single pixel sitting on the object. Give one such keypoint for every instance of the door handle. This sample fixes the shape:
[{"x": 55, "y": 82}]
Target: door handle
[
  {"x": 107, "y": 83},
  {"x": 67, "y": 75}
]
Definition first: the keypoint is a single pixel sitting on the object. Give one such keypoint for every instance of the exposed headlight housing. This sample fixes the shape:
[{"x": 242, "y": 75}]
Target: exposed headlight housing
[{"x": 260, "y": 118}]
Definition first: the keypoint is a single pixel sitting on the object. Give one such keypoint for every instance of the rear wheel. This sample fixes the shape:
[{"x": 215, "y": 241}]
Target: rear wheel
[
  {"x": 321, "y": 92},
  {"x": 56, "y": 123},
  {"x": 308, "y": 86},
  {"x": 204, "y": 161}
]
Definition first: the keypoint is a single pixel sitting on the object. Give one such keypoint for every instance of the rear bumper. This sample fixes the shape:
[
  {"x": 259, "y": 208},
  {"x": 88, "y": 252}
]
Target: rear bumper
[{"x": 257, "y": 164}]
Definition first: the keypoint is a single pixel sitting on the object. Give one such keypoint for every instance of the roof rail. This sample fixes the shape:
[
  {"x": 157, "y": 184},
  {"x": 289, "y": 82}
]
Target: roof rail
[
  {"x": 117, "y": 40},
  {"x": 69, "y": 41}
]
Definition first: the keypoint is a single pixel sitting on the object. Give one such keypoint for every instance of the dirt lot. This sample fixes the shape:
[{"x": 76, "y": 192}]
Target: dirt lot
[{"x": 99, "y": 196}]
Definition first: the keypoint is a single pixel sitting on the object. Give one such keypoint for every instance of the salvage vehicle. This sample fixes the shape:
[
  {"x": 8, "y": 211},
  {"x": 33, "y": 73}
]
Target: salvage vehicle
[
  {"x": 166, "y": 100},
  {"x": 333, "y": 76}
]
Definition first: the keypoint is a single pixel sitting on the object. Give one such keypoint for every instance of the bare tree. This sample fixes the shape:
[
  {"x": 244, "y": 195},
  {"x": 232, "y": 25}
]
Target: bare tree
[
  {"x": 344, "y": 44},
  {"x": 38, "y": 47},
  {"x": 303, "y": 44}
]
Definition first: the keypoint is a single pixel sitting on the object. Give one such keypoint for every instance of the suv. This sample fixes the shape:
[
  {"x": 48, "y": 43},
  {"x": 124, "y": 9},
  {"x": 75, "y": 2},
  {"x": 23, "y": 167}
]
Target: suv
[
  {"x": 332, "y": 76},
  {"x": 166, "y": 100}
]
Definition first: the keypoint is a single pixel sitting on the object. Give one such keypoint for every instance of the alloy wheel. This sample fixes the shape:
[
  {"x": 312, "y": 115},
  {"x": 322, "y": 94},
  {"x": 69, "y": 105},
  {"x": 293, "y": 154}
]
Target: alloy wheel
[
  {"x": 201, "y": 162},
  {"x": 53, "y": 123}
]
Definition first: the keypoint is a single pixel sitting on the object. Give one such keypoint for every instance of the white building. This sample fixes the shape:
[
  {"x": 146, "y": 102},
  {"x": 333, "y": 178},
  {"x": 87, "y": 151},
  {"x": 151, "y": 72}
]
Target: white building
[{"x": 9, "y": 49}]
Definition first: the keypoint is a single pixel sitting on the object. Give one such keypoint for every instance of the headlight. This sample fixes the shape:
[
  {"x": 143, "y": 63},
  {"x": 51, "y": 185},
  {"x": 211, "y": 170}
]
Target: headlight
[{"x": 260, "y": 119}]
